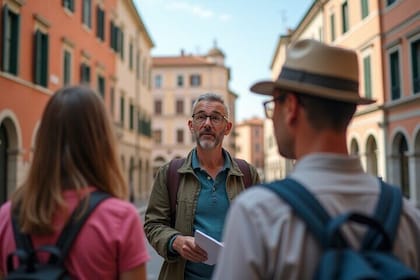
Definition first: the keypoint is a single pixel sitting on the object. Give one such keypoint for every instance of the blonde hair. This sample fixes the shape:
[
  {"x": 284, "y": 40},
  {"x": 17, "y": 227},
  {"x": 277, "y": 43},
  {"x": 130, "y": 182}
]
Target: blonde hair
[{"x": 75, "y": 148}]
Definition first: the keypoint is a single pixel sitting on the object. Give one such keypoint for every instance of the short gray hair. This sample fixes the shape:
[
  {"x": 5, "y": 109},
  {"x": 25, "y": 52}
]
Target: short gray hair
[{"x": 210, "y": 96}]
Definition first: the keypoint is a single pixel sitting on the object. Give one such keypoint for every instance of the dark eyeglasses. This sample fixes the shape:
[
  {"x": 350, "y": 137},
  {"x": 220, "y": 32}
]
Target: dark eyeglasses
[
  {"x": 269, "y": 106},
  {"x": 215, "y": 118}
]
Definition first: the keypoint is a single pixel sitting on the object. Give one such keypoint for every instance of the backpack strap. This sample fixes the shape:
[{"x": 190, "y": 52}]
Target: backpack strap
[
  {"x": 172, "y": 184},
  {"x": 244, "y": 167},
  {"x": 307, "y": 208},
  {"x": 387, "y": 213},
  {"x": 76, "y": 222},
  {"x": 25, "y": 249},
  {"x": 172, "y": 181}
]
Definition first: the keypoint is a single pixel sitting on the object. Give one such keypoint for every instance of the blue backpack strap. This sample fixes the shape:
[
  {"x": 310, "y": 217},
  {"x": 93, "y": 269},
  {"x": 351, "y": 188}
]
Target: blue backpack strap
[
  {"x": 387, "y": 213},
  {"x": 307, "y": 207}
]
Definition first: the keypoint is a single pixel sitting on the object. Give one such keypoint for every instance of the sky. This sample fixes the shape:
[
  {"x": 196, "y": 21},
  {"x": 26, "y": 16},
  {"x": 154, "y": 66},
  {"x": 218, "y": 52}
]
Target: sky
[{"x": 247, "y": 31}]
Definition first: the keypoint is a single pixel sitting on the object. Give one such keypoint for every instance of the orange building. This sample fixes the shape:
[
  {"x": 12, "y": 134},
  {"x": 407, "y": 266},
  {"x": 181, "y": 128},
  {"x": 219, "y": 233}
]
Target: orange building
[
  {"x": 44, "y": 46},
  {"x": 401, "y": 56}
]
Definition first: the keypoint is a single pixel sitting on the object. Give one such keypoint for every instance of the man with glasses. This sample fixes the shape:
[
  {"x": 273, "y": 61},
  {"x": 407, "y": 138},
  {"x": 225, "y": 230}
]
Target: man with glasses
[
  {"x": 312, "y": 103},
  {"x": 209, "y": 179}
]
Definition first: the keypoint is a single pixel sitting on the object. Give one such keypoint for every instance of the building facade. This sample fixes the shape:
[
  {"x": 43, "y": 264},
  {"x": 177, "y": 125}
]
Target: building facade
[
  {"x": 386, "y": 36},
  {"x": 250, "y": 143},
  {"x": 177, "y": 82},
  {"x": 40, "y": 54},
  {"x": 132, "y": 98},
  {"x": 401, "y": 60}
]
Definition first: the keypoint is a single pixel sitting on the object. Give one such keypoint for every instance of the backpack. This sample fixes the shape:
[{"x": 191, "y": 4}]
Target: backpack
[
  {"x": 374, "y": 259},
  {"x": 29, "y": 266},
  {"x": 172, "y": 185}
]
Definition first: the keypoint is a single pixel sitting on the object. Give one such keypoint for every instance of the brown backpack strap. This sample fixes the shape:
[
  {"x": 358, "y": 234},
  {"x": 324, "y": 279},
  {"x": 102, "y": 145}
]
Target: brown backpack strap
[
  {"x": 244, "y": 167},
  {"x": 172, "y": 184}
]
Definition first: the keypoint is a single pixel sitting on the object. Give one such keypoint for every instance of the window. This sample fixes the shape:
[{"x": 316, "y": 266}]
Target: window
[
  {"x": 365, "y": 8},
  {"x": 158, "y": 81},
  {"x": 112, "y": 101},
  {"x": 180, "y": 81},
  {"x": 69, "y": 5},
  {"x": 345, "y": 16},
  {"x": 131, "y": 54},
  {"x": 10, "y": 36},
  {"x": 131, "y": 120},
  {"x": 66, "y": 68},
  {"x": 41, "y": 58},
  {"x": 332, "y": 30},
  {"x": 138, "y": 65},
  {"x": 121, "y": 43},
  {"x": 179, "y": 136},
  {"x": 390, "y": 2},
  {"x": 367, "y": 77},
  {"x": 394, "y": 64},
  {"x": 157, "y": 136},
  {"x": 158, "y": 107},
  {"x": 84, "y": 73},
  {"x": 415, "y": 65},
  {"x": 122, "y": 111},
  {"x": 180, "y": 107},
  {"x": 101, "y": 86},
  {"x": 86, "y": 13},
  {"x": 100, "y": 23},
  {"x": 195, "y": 80},
  {"x": 116, "y": 39}
]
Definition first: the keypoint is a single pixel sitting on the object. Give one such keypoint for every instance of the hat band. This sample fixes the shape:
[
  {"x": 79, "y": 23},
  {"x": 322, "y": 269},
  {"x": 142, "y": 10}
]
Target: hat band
[{"x": 318, "y": 80}]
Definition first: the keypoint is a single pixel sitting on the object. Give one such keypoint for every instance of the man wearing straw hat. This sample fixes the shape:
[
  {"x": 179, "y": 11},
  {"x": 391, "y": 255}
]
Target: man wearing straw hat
[{"x": 312, "y": 103}]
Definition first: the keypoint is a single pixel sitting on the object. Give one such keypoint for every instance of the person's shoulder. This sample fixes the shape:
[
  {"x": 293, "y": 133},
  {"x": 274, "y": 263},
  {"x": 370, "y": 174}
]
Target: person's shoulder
[
  {"x": 258, "y": 196},
  {"x": 117, "y": 207}
]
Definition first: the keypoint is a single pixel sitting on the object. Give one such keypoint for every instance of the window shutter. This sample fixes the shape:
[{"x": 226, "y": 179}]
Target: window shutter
[
  {"x": 44, "y": 54},
  {"x": 37, "y": 57},
  {"x": 4, "y": 37}
]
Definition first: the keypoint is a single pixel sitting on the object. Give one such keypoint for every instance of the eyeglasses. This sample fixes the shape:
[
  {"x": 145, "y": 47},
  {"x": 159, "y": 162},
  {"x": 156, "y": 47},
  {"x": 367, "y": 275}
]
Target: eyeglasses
[
  {"x": 215, "y": 119},
  {"x": 269, "y": 106}
]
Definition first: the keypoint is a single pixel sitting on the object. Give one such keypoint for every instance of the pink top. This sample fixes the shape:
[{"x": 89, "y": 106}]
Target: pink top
[{"x": 111, "y": 241}]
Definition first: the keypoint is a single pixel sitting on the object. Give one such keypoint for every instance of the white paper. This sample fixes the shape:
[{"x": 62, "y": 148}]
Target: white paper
[{"x": 208, "y": 244}]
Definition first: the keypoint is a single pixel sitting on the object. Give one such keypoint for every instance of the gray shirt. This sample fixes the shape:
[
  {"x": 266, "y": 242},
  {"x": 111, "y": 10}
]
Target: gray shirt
[{"x": 265, "y": 240}]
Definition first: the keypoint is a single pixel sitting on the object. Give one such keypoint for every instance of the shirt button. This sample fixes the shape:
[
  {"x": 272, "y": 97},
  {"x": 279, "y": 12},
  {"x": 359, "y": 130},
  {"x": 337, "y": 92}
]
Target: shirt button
[{"x": 208, "y": 177}]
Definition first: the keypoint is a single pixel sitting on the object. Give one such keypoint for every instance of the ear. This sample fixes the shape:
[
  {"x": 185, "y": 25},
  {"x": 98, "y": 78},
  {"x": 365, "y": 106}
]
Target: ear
[
  {"x": 292, "y": 107},
  {"x": 190, "y": 126},
  {"x": 228, "y": 128}
]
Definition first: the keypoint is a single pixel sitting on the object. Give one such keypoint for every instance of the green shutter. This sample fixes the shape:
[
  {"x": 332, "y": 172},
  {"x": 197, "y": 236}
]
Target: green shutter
[
  {"x": 5, "y": 26},
  {"x": 36, "y": 58},
  {"x": 14, "y": 51},
  {"x": 44, "y": 54},
  {"x": 367, "y": 75}
]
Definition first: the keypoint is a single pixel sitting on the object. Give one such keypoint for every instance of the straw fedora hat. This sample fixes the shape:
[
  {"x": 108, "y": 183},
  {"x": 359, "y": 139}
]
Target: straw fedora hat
[{"x": 318, "y": 69}]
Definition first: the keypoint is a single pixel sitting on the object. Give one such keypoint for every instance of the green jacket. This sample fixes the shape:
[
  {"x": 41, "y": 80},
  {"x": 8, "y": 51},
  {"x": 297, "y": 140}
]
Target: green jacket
[{"x": 158, "y": 215}]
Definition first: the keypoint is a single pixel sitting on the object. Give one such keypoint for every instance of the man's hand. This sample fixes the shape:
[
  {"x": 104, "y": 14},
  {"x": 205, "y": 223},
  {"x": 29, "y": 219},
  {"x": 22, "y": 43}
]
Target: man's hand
[{"x": 186, "y": 247}]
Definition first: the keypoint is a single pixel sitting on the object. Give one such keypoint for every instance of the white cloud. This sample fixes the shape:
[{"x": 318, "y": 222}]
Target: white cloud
[
  {"x": 196, "y": 10},
  {"x": 225, "y": 17}
]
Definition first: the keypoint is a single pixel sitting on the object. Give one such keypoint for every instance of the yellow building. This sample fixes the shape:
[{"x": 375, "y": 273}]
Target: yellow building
[
  {"x": 177, "y": 82},
  {"x": 250, "y": 143},
  {"x": 131, "y": 97}
]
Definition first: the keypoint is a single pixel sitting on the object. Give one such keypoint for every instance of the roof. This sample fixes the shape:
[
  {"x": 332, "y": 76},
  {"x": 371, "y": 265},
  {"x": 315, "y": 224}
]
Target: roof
[
  {"x": 215, "y": 52},
  {"x": 188, "y": 60}
]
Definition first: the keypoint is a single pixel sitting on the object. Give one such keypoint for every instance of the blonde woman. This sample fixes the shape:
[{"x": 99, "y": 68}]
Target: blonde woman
[{"x": 75, "y": 153}]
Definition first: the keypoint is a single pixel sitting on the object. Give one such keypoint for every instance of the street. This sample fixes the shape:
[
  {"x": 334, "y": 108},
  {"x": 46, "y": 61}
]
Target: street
[
  {"x": 155, "y": 262},
  {"x": 153, "y": 266}
]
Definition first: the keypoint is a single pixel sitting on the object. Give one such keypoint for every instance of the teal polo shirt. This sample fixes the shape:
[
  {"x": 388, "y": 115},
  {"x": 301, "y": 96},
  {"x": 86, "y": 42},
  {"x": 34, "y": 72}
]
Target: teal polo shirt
[{"x": 210, "y": 214}]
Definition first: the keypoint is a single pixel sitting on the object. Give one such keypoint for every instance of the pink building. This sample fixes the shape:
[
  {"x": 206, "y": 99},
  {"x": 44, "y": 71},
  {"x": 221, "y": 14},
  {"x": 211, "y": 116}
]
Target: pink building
[{"x": 400, "y": 23}]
